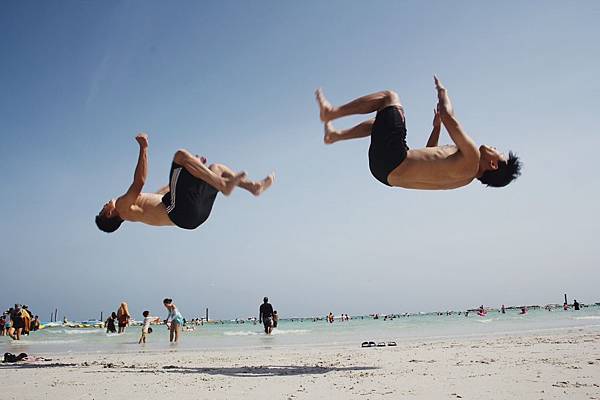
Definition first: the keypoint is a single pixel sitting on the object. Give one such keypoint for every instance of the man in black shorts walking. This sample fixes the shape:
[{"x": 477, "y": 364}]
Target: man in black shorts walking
[
  {"x": 188, "y": 199},
  {"x": 433, "y": 167},
  {"x": 265, "y": 315}
]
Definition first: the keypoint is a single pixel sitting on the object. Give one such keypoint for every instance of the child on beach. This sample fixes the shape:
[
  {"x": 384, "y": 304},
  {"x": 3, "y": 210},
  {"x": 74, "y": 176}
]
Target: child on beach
[{"x": 146, "y": 325}]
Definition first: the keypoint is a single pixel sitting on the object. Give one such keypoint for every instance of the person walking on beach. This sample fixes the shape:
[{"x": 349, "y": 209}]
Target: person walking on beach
[
  {"x": 434, "y": 167},
  {"x": 174, "y": 320},
  {"x": 146, "y": 329},
  {"x": 276, "y": 319},
  {"x": 110, "y": 323},
  {"x": 575, "y": 305},
  {"x": 265, "y": 315},
  {"x": 188, "y": 199},
  {"x": 123, "y": 317}
]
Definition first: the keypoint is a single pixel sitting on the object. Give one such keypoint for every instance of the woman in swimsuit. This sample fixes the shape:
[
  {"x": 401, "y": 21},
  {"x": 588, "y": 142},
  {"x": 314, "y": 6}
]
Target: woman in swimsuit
[
  {"x": 123, "y": 317},
  {"x": 175, "y": 318}
]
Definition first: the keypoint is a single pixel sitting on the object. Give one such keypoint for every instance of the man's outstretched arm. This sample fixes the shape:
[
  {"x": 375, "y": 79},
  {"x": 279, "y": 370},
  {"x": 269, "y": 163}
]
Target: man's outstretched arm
[
  {"x": 435, "y": 133},
  {"x": 141, "y": 171},
  {"x": 465, "y": 144}
]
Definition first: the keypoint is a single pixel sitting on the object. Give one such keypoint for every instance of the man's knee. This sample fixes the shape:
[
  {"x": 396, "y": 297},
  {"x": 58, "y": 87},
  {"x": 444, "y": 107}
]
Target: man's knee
[
  {"x": 181, "y": 156},
  {"x": 391, "y": 98}
]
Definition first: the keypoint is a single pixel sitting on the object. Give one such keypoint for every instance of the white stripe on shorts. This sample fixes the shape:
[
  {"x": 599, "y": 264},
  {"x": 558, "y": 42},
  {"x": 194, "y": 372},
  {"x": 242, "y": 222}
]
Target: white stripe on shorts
[{"x": 173, "y": 188}]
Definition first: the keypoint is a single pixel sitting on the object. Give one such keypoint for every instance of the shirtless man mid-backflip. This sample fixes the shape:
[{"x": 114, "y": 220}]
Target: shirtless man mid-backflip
[
  {"x": 433, "y": 167},
  {"x": 188, "y": 199}
]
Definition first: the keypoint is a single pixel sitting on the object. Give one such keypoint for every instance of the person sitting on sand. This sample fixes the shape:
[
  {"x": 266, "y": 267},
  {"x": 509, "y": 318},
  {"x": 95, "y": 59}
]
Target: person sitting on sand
[
  {"x": 146, "y": 325},
  {"x": 433, "y": 167},
  {"x": 265, "y": 315},
  {"x": 175, "y": 319},
  {"x": 186, "y": 202}
]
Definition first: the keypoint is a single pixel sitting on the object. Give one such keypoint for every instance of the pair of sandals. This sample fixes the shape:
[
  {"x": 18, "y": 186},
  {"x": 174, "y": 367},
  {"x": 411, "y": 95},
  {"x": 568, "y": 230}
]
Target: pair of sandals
[{"x": 380, "y": 344}]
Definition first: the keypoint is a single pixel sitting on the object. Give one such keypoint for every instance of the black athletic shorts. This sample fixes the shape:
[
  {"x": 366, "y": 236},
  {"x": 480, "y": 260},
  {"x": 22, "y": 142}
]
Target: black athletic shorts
[
  {"x": 18, "y": 323},
  {"x": 190, "y": 199},
  {"x": 388, "y": 143}
]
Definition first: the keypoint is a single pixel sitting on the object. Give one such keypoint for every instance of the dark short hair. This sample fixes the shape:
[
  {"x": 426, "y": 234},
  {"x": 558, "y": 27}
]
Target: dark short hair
[
  {"x": 146, "y": 313},
  {"x": 167, "y": 301},
  {"x": 266, "y": 299},
  {"x": 108, "y": 225},
  {"x": 507, "y": 172}
]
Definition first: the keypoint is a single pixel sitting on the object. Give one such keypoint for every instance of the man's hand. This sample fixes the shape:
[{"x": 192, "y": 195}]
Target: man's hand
[
  {"x": 437, "y": 119},
  {"x": 444, "y": 106},
  {"x": 142, "y": 139},
  {"x": 438, "y": 84}
]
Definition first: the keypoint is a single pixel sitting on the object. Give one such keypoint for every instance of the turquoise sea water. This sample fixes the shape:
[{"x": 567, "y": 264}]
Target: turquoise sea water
[{"x": 54, "y": 340}]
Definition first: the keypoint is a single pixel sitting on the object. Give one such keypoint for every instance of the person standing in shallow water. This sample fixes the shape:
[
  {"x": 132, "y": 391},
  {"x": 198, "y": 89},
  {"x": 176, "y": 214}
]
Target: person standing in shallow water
[
  {"x": 123, "y": 317},
  {"x": 430, "y": 168},
  {"x": 276, "y": 319},
  {"x": 174, "y": 319},
  {"x": 265, "y": 315},
  {"x": 110, "y": 323}
]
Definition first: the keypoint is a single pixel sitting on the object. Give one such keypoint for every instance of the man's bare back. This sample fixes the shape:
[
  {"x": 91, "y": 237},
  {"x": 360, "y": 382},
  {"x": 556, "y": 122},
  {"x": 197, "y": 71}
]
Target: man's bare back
[{"x": 430, "y": 168}]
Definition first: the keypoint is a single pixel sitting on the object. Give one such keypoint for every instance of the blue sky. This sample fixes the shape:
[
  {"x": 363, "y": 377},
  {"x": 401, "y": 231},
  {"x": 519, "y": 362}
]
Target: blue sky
[{"x": 234, "y": 81}]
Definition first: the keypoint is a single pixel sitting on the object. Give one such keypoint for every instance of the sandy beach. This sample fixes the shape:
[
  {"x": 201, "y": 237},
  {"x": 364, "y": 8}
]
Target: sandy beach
[{"x": 554, "y": 365}]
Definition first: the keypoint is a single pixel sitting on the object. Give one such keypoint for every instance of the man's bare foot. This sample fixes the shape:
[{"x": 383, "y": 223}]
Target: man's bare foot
[
  {"x": 331, "y": 134},
  {"x": 231, "y": 183},
  {"x": 260, "y": 186},
  {"x": 325, "y": 107}
]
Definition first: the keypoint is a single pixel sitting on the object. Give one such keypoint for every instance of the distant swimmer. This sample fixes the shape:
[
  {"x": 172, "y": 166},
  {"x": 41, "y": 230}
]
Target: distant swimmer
[
  {"x": 188, "y": 199},
  {"x": 431, "y": 168}
]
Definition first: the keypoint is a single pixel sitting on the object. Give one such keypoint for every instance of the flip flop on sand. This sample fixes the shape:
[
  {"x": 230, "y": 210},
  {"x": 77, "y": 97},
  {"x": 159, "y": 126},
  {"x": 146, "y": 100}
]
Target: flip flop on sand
[
  {"x": 368, "y": 344},
  {"x": 392, "y": 344},
  {"x": 381, "y": 344}
]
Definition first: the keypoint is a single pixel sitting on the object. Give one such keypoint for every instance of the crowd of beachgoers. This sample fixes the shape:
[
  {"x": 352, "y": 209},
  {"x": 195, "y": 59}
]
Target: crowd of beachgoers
[{"x": 18, "y": 321}]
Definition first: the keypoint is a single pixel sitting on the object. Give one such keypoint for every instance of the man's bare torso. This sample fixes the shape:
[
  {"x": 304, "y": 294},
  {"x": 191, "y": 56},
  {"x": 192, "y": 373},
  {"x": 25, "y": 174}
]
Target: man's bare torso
[
  {"x": 433, "y": 168},
  {"x": 147, "y": 208}
]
